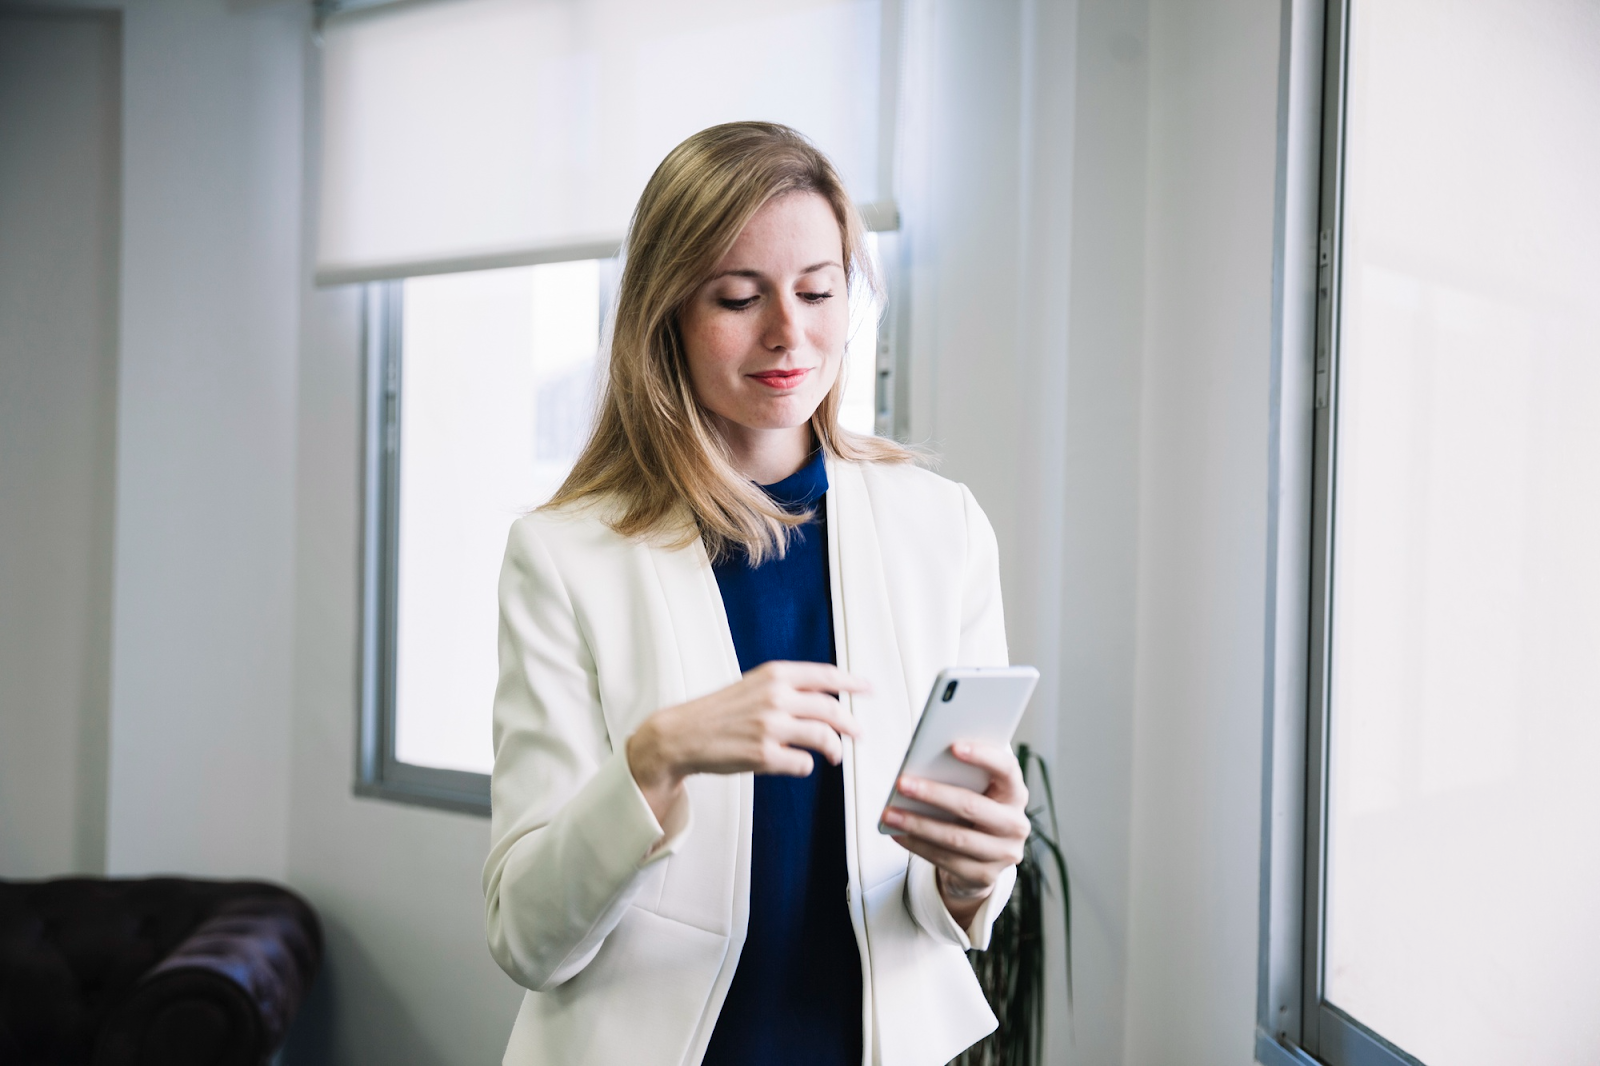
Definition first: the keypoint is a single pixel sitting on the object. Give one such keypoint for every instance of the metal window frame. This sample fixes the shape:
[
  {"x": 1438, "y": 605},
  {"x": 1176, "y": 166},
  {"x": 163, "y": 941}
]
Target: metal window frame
[
  {"x": 889, "y": 412},
  {"x": 1295, "y": 1025},
  {"x": 379, "y": 773}
]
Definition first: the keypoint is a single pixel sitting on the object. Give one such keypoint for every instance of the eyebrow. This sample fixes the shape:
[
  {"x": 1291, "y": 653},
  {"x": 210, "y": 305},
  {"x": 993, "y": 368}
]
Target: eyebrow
[{"x": 812, "y": 269}]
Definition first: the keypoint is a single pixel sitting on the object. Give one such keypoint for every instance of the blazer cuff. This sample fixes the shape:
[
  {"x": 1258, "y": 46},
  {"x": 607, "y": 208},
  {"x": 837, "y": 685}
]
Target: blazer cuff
[
  {"x": 928, "y": 909},
  {"x": 642, "y": 826}
]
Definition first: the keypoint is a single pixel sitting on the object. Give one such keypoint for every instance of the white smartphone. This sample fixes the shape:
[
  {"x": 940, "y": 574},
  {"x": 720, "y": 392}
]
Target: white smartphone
[{"x": 966, "y": 703}]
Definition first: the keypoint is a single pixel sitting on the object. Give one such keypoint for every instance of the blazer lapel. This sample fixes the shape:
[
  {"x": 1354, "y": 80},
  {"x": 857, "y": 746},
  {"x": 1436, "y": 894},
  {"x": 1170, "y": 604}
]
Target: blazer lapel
[
  {"x": 866, "y": 645},
  {"x": 708, "y": 888},
  {"x": 700, "y": 626}
]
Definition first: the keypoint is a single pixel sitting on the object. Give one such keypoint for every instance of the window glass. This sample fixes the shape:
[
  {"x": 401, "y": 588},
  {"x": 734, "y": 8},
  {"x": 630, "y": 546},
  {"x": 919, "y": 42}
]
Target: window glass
[
  {"x": 1463, "y": 863},
  {"x": 858, "y": 409},
  {"x": 499, "y": 370}
]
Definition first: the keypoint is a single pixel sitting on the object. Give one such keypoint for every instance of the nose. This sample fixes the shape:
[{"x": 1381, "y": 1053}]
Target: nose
[{"x": 781, "y": 331}]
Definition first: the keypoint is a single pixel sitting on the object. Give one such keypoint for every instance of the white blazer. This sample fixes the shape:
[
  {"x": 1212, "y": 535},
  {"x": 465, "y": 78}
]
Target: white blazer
[{"x": 626, "y": 931}]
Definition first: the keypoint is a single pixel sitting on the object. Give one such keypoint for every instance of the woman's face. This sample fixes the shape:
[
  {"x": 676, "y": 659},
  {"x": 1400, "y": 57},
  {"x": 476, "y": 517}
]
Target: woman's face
[{"x": 765, "y": 336}]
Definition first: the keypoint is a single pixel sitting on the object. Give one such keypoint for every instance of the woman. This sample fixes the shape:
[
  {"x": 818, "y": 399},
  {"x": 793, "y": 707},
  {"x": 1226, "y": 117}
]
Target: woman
[{"x": 728, "y": 586}]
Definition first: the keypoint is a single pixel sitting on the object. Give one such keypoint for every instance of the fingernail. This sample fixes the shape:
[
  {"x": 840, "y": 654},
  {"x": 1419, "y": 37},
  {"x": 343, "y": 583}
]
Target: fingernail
[
  {"x": 961, "y": 747},
  {"x": 893, "y": 817},
  {"x": 909, "y": 786}
]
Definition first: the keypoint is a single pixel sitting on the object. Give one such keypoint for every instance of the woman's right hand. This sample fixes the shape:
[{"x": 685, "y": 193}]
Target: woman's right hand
[{"x": 760, "y": 723}]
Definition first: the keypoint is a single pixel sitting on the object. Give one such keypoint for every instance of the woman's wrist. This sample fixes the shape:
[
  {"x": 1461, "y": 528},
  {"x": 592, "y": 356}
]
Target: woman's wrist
[
  {"x": 652, "y": 771},
  {"x": 960, "y": 899},
  {"x": 955, "y": 888}
]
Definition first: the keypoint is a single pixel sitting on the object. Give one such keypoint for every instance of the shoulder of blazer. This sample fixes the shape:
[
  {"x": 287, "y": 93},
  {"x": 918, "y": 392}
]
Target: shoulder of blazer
[
  {"x": 921, "y": 519},
  {"x": 911, "y": 505},
  {"x": 580, "y": 530},
  {"x": 572, "y": 523},
  {"x": 907, "y": 484}
]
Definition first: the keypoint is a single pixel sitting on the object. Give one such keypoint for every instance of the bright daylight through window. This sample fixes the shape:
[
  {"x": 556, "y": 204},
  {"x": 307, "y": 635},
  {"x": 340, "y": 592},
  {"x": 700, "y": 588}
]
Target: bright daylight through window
[
  {"x": 498, "y": 377},
  {"x": 1463, "y": 811}
]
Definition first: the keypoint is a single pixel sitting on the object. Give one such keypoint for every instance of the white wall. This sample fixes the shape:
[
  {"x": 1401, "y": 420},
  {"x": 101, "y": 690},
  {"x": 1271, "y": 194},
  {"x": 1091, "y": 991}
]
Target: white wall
[
  {"x": 201, "y": 624},
  {"x": 59, "y": 111},
  {"x": 1202, "y": 550},
  {"x": 151, "y": 341},
  {"x": 1103, "y": 355},
  {"x": 1128, "y": 384},
  {"x": 995, "y": 143},
  {"x": 150, "y": 361}
]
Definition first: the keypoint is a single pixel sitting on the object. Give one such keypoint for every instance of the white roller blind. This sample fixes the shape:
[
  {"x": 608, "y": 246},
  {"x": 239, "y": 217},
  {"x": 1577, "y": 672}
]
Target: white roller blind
[{"x": 471, "y": 133}]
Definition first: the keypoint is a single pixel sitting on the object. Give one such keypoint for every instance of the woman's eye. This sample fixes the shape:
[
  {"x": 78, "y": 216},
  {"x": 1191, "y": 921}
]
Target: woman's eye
[
  {"x": 816, "y": 297},
  {"x": 737, "y": 305}
]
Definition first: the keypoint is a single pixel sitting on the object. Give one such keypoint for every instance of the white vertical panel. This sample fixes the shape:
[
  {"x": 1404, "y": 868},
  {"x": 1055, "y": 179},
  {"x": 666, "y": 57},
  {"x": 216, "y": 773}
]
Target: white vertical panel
[
  {"x": 459, "y": 132},
  {"x": 59, "y": 107},
  {"x": 203, "y": 605}
]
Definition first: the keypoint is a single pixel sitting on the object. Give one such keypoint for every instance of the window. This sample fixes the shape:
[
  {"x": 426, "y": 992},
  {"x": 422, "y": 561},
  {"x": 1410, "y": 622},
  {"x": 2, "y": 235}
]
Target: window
[
  {"x": 479, "y": 162},
  {"x": 481, "y": 389},
  {"x": 1452, "y": 855}
]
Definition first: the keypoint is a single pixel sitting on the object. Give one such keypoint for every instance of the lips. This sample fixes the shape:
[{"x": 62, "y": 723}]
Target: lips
[{"x": 781, "y": 379}]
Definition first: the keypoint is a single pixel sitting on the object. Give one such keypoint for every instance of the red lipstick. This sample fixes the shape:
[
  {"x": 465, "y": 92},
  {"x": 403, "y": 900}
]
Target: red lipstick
[{"x": 781, "y": 379}]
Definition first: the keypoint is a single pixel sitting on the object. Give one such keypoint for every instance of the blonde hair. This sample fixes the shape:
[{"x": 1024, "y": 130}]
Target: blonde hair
[{"x": 655, "y": 454}]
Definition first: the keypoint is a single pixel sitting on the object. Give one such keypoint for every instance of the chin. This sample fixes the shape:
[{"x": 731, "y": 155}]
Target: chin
[{"x": 785, "y": 413}]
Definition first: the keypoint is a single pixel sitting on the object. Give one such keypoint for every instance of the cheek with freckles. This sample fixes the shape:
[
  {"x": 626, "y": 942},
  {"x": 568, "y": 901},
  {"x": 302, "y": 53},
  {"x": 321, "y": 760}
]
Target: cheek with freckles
[
  {"x": 716, "y": 351},
  {"x": 722, "y": 345}
]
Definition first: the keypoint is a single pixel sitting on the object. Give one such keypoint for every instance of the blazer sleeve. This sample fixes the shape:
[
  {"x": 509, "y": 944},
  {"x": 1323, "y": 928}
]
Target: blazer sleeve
[
  {"x": 571, "y": 835},
  {"x": 983, "y": 643}
]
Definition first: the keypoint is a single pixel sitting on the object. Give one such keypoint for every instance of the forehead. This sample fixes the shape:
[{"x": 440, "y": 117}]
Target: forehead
[{"x": 788, "y": 233}]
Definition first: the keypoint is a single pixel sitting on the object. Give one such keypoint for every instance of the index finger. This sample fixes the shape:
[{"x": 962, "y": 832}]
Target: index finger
[
  {"x": 819, "y": 677},
  {"x": 825, "y": 709}
]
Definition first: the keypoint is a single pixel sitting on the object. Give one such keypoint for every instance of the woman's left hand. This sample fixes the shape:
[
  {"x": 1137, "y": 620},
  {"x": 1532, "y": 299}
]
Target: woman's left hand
[{"x": 985, "y": 841}]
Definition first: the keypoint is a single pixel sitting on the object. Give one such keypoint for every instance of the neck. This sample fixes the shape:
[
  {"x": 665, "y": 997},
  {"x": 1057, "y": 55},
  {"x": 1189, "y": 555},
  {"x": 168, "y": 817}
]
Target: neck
[{"x": 767, "y": 456}]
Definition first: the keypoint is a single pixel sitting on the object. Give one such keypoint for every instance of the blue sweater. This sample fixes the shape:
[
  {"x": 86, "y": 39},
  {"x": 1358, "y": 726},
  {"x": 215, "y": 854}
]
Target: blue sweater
[{"x": 796, "y": 996}]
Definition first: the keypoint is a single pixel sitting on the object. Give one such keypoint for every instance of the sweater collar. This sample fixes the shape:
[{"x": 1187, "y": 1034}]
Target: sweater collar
[{"x": 803, "y": 488}]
